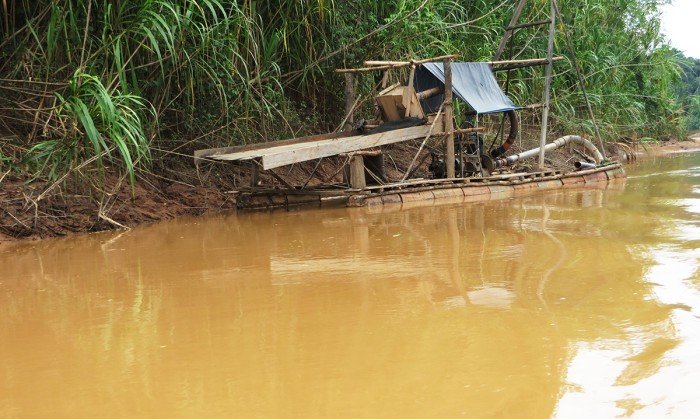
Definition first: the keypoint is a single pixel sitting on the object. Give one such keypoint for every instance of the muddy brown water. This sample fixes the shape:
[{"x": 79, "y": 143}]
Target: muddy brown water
[{"x": 567, "y": 303}]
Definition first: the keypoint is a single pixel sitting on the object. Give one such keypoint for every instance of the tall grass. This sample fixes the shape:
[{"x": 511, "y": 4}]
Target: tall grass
[{"x": 102, "y": 80}]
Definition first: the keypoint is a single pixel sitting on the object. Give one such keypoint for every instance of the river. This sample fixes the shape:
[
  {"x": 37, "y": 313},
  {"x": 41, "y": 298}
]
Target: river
[{"x": 565, "y": 303}]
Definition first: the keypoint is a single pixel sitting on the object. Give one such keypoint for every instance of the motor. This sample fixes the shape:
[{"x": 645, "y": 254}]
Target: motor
[{"x": 438, "y": 168}]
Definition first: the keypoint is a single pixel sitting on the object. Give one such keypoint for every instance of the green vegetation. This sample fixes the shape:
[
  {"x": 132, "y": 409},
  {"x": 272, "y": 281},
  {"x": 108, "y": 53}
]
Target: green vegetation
[
  {"x": 126, "y": 83},
  {"x": 689, "y": 91}
]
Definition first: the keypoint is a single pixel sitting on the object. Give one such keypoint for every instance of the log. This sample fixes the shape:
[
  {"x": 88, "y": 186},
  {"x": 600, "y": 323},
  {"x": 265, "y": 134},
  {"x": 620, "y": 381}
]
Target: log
[
  {"x": 357, "y": 172},
  {"x": 428, "y": 93}
]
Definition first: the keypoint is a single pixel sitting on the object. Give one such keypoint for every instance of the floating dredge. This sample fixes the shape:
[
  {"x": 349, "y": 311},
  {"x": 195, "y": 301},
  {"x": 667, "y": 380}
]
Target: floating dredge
[{"x": 421, "y": 109}]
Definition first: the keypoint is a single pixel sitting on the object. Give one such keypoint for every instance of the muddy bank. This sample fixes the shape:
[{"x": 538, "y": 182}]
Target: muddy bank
[
  {"x": 35, "y": 210},
  {"x": 671, "y": 147},
  {"x": 27, "y": 214}
]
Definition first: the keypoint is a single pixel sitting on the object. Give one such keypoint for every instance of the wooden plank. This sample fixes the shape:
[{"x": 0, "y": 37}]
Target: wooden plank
[
  {"x": 214, "y": 152},
  {"x": 389, "y": 108},
  {"x": 345, "y": 145},
  {"x": 408, "y": 92}
]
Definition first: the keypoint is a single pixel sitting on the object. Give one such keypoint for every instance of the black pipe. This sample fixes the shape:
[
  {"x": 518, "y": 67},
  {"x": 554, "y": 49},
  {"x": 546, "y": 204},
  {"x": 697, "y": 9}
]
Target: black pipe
[
  {"x": 512, "y": 135},
  {"x": 579, "y": 165}
]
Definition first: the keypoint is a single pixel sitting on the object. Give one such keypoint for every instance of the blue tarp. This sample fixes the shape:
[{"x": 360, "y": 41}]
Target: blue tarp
[{"x": 474, "y": 83}]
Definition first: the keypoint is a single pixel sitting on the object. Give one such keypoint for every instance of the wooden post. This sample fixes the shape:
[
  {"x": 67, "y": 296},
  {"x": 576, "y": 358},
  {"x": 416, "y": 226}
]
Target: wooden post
[
  {"x": 449, "y": 121},
  {"x": 349, "y": 100},
  {"x": 547, "y": 83},
  {"x": 357, "y": 172}
]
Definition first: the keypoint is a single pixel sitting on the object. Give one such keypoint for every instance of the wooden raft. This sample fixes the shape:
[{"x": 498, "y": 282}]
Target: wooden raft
[{"x": 465, "y": 189}]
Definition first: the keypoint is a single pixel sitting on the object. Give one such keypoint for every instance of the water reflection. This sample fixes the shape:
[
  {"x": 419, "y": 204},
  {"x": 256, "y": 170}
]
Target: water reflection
[
  {"x": 653, "y": 372},
  {"x": 531, "y": 306}
]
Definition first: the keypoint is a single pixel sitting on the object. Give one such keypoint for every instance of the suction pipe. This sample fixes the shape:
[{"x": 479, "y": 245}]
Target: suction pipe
[{"x": 575, "y": 139}]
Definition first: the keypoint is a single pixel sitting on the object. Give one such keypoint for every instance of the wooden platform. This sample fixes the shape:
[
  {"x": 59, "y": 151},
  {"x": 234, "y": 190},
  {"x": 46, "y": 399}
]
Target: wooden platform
[{"x": 465, "y": 189}]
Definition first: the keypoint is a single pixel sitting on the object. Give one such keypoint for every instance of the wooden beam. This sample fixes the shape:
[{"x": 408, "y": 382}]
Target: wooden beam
[
  {"x": 276, "y": 158},
  {"x": 449, "y": 121},
  {"x": 281, "y": 179}
]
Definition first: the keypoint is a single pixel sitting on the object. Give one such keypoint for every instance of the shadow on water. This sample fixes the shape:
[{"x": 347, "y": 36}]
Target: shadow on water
[{"x": 531, "y": 306}]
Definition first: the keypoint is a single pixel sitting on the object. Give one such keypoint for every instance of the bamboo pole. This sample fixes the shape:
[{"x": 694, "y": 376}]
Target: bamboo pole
[
  {"x": 449, "y": 121},
  {"x": 548, "y": 83},
  {"x": 508, "y": 64},
  {"x": 381, "y": 65},
  {"x": 515, "y": 64}
]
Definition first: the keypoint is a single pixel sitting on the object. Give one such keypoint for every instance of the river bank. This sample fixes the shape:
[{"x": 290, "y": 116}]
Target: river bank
[{"x": 37, "y": 210}]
